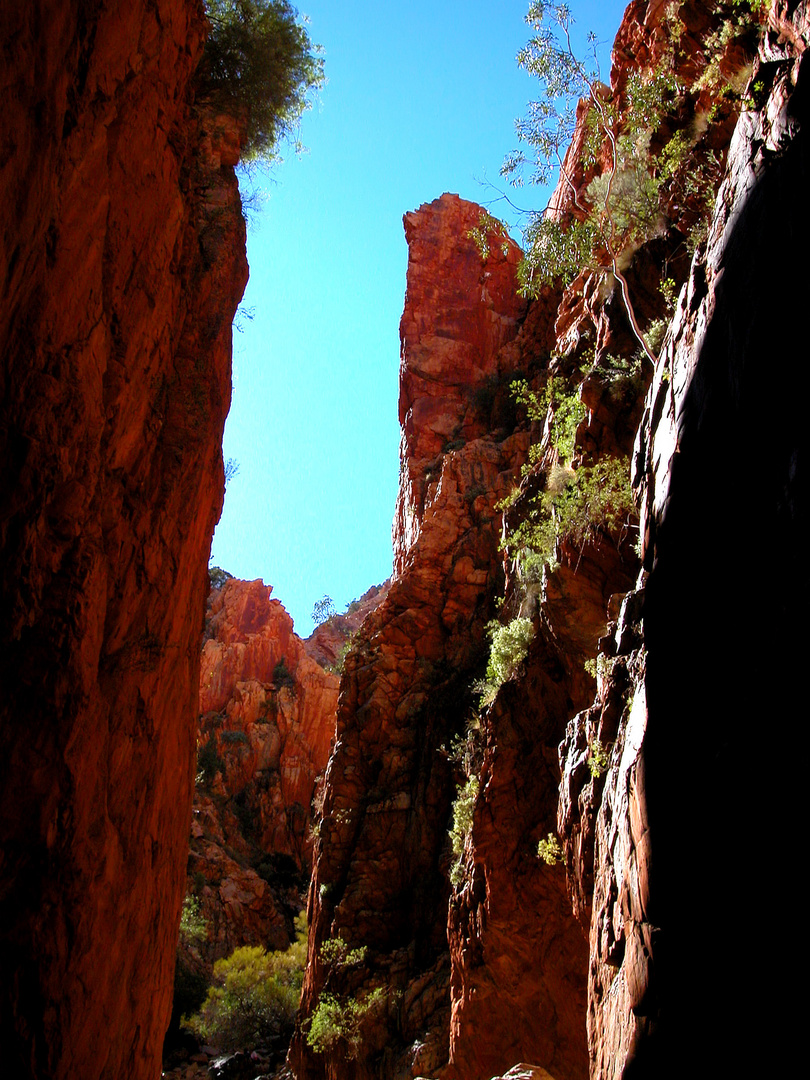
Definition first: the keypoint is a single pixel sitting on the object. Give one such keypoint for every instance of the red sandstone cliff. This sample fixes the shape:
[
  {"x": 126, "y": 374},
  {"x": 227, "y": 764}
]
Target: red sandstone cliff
[
  {"x": 123, "y": 262},
  {"x": 266, "y": 727},
  {"x": 662, "y": 881},
  {"x": 568, "y": 967}
]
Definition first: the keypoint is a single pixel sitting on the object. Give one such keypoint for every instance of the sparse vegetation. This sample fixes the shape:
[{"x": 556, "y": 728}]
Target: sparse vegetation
[
  {"x": 209, "y": 763},
  {"x": 598, "y": 758},
  {"x": 335, "y": 953},
  {"x": 323, "y": 610},
  {"x": 217, "y": 576},
  {"x": 648, "y": 176},
  {"x": 337, "y": 1020},
  {"x": 550, "y": 850},
  {"x": 259, "y": 67},
  {"x": 576, "y": 507},
  {"x": 510, "y": 643},
  {"x": 463, "y": 808}
]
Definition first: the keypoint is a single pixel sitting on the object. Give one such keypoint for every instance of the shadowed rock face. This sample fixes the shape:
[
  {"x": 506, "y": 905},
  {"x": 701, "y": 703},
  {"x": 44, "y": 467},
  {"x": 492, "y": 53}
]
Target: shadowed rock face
[
  {"x": 123, "y": 262},
  {"x": 709, "y": 646}
]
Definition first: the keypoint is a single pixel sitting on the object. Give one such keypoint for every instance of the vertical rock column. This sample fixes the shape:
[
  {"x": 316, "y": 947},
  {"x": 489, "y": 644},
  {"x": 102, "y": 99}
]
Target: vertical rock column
[{"x": 123, "y": 261}]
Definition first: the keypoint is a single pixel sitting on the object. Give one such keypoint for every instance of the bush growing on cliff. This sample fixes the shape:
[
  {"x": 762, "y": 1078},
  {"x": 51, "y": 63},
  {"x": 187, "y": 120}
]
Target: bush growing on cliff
[
  {"x": 577, "y": 507},
  {"x": 337, "y": 1020},
  {"x": 463, "y": 809},
  {"x": 637, "y": 183},
  {"x": 510, "y": 643},
  {"x": 254, "y": 996},
  {"x": 260, "y": 67}
]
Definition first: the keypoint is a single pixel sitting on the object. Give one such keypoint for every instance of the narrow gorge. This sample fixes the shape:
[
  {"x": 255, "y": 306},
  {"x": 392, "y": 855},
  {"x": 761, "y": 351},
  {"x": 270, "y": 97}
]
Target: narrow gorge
[{"x": 521, "y": 789}]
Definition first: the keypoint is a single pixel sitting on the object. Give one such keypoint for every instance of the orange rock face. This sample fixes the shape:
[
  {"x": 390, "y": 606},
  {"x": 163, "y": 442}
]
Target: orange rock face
[
  {"x": 265, "y": 730},
  {"x": 123, "y": 262},
  {"x": 270, "y": 709}
]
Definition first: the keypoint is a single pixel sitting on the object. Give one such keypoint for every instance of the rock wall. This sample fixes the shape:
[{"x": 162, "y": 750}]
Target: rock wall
[
  {"x": 266, "y": 728},
  {"x": 707, "y": 646},
  {"x": 382, "y": 854},
  {"x": 591, "y": 967},
  {"x": 123, "y": 262}
]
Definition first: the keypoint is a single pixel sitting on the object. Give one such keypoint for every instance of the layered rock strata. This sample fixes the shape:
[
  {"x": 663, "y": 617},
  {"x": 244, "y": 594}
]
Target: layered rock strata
[{"x": 123, "y": 262}]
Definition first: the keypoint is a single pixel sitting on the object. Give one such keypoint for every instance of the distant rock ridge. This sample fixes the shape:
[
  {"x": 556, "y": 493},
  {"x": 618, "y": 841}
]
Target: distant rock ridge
[{"x": 267, "y": 721}]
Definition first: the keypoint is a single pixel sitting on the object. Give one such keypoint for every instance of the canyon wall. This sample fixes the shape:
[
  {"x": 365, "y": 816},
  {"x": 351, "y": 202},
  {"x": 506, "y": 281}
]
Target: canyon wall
[
  {"x": 267, "y": 720},
  {"x": 123, "y": 255},
  {"x": 709, "y": 645},
  {"x": 631, "y": 956}
]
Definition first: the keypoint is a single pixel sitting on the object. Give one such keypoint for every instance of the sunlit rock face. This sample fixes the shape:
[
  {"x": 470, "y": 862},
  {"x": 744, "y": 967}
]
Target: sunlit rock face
[
  {"x": 459, "y": 311},
  {"x": 265, "y": 729},
  {"x": 123, "y": 262},
  {"x": 267, "y": 721},
  {"x": 382, "y": 853}
]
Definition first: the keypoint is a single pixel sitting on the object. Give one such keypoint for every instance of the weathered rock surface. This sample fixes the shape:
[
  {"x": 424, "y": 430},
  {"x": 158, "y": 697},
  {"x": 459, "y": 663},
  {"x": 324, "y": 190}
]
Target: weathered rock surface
[
  {"x": 382, "y": 854},
  {"x": 266, "y": 727},
  {"x": 123, "y": 262},
  {"x": 661, "y": 847}
]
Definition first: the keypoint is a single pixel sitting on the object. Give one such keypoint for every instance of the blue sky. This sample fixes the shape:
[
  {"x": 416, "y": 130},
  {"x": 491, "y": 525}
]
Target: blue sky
[{"x": 421, "y": 98}]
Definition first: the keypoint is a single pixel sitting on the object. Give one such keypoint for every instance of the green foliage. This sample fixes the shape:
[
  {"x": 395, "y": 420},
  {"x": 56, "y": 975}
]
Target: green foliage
[
  {"x": 193, "y": 926},
  {"x": 487, "y": 229},
  {"x": 510, "y": 643},
  {"x": 335, "y": 953},
  {"x": 463, "y": 809},
  {"x": 282, "y": 676},
  {"x": 550, "y": 850},
  {"x": 339, "y": 1020},
  {"x": 595, "y": 500},
  {"x": 218, "y": 576},
  {"x": 598, "y": 758},
  {"x": 564, "y": 408},
  {"x": 340, "y": 660},
  {"x": 209, "y": 763},
  {"x": 259, "y": 67},
  {"x": 254, "y": 995},
  {"x": 323, "y": 610},
  {"x": 629, "y": 201}
]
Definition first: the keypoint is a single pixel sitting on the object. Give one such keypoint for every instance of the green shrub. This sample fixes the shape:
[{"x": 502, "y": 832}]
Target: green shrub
[
  {"x": 323, "y": 610},
  {"x": 260, "y": 67},
  {"x": 217, "y": 576},
  {"x": 564, "y": 409},
  {"x": 338, "y": 1020},
  {"x": 593, "y": 500},
  {"x": 282, "y": 676},
  {"x": 254, "y": 995},
  {"x": 335, "y": 953},
  {"x": 598, "y": 758},
  {"x": 209, "y": 763},
  {"x": 510, "y": 643},
  {"x": 193, "y": 927},
  {"x": 463, "y": 809},
  {"x": 550, "y": 850}
]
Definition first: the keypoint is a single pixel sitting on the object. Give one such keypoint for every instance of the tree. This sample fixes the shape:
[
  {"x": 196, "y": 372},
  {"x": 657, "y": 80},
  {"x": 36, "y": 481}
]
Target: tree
[
  {"x": 260, "y": 67},
  {"x": 254, "y": 995},
  {"x": 323, "y": 611},
  {"x": 626, "y": 202}
]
